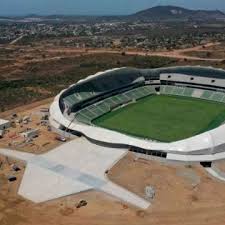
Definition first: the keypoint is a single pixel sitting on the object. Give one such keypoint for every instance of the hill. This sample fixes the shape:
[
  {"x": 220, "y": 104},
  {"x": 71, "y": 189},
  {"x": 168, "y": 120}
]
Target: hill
[
  {"x": 158, "y": 13},
  {"x": 178, "y": 13}
]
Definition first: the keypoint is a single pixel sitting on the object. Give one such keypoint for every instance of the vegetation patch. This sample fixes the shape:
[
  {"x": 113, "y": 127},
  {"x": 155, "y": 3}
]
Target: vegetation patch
[{"x": 52, "y": 76}]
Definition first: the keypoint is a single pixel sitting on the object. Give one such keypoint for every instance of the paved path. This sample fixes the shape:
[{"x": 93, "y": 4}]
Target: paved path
[
  {"x": 216, "y": 173},
  {"x": 74, "y": 167},
  {"x": 16, "y": 40}
]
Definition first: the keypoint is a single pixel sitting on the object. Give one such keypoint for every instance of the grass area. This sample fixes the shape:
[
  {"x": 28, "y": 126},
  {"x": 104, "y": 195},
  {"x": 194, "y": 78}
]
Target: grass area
[{"x": 165, "y": 118}]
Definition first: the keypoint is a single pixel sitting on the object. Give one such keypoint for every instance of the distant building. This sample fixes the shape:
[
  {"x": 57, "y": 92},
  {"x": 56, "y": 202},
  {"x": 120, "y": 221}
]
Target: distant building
[
  {"x": 1, "y": 133},
  {"x": 30, "y": 134},
  {"x": 4, "y": 124}
]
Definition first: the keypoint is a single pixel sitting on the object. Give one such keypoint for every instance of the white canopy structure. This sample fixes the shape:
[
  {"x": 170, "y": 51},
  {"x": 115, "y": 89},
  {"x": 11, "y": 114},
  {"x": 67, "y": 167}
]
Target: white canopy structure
[{"x": 208, "y": 146}]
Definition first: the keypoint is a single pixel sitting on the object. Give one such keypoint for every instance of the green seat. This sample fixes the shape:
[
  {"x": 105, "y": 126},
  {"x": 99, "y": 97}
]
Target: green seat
[
  {"x": 92, "y": 112},
  {"x": 188, "y": 92},
  {"x": 69, "y": 101},
  {"x": 123, "y": 98},
  {"x": 103, "y": 106},
  {"x": 81, "y": 118},
  {"x": 168, "y": 90},
  {"x": 207, "y": 94},
  {"x": 85, "y": 95},
  {"x": 178, "y": 91},
  {"x": 217, "y": 96},
  {"x": 90, "y": 115}
]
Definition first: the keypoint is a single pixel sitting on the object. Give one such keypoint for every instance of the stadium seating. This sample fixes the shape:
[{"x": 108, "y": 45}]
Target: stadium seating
[
  {"x": 70, "y": 100},
  {"x": 188, "y": 92},
  {"x": 102, "y": 84},
  {"x": 178, "y": 91},
  {"x": 197, "y": 93},
  {"x": 88, "y": 114},
  {"x": 213, "y": 96},
  {"x": 174, "y": 90},
  {"x": 207, "y": 94},
  {"x": 217, "y": 96},
  {"x": 191, "y": 92}
]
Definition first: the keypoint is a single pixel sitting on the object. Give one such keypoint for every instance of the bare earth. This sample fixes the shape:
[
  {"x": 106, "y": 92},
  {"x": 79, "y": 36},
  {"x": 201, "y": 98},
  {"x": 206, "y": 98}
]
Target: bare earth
[
  {"x": 26, "y": 108},
  {"x": 23, "y": 55},
  {"x": 177, "y": 201},
  {"x": 178, "y": 54}
]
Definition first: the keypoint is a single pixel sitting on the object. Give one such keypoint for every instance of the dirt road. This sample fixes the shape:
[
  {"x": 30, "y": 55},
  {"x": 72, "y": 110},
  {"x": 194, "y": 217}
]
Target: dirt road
[
  {"x": 58, "y": 53},
  {"x": 178, "y": 54}
]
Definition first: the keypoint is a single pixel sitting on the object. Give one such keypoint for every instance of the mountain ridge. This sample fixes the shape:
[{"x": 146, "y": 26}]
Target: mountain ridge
[
  {"x": 175, "y": 12},
  {"x": 157, "y": 13}
]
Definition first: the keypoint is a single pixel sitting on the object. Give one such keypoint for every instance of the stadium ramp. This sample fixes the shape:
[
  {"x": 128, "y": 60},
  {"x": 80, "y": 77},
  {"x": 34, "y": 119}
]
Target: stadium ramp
[{"x": 74, "y": 167}]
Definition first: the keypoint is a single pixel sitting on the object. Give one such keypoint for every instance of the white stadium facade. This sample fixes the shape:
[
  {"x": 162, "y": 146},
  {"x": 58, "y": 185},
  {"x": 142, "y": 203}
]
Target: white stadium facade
[{"x": 74, "y": 108}]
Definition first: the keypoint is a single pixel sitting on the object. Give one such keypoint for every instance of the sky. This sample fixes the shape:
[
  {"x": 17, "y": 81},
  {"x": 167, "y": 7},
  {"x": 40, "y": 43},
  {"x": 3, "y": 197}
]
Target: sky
[{"x": 97, "y": 7}]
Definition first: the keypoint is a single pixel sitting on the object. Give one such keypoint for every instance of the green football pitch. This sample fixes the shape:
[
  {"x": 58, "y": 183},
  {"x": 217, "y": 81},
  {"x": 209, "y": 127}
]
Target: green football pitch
[{"x": 164, "y": 118}]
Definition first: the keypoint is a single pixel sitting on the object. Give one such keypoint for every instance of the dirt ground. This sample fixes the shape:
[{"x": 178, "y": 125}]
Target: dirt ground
[
  {"x": 26, "y": 108},
  {"x": 208, "y": 52},
  {"x": 177, "y": 200},
  {"x": 13, "y": 59},
  {"x": 176, "y": 53}
]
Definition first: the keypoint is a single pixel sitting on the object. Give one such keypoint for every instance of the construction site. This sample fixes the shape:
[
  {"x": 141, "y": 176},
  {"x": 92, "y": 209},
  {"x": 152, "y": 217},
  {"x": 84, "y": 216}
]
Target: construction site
[
  {"x": 28, "y": 131},
  {"x": 183, "y": 195},
  {"x": 112, "y": 113},
  {"x": 109, "y": 186}
]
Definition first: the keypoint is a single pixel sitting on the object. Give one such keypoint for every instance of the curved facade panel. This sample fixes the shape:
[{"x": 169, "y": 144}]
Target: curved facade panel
[{"x": 87, "y": 94}]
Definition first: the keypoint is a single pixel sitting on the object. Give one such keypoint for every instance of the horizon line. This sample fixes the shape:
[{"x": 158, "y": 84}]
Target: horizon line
[{"x": 101, "y": 14}]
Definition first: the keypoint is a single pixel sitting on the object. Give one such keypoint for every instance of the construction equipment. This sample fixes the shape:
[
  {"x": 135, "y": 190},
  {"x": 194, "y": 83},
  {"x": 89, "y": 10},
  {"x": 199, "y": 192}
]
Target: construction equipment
[
  {"x": 60, "y": 138},
  {"x": 15, "y": 168},
  {"x": 12, "y": 178},
  {"x": 82, "y": 203},
  {"x": 150, "y": 192}
]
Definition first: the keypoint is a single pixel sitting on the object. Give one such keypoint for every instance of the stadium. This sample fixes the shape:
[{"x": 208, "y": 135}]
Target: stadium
[{"x": 176, "y": 113}]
